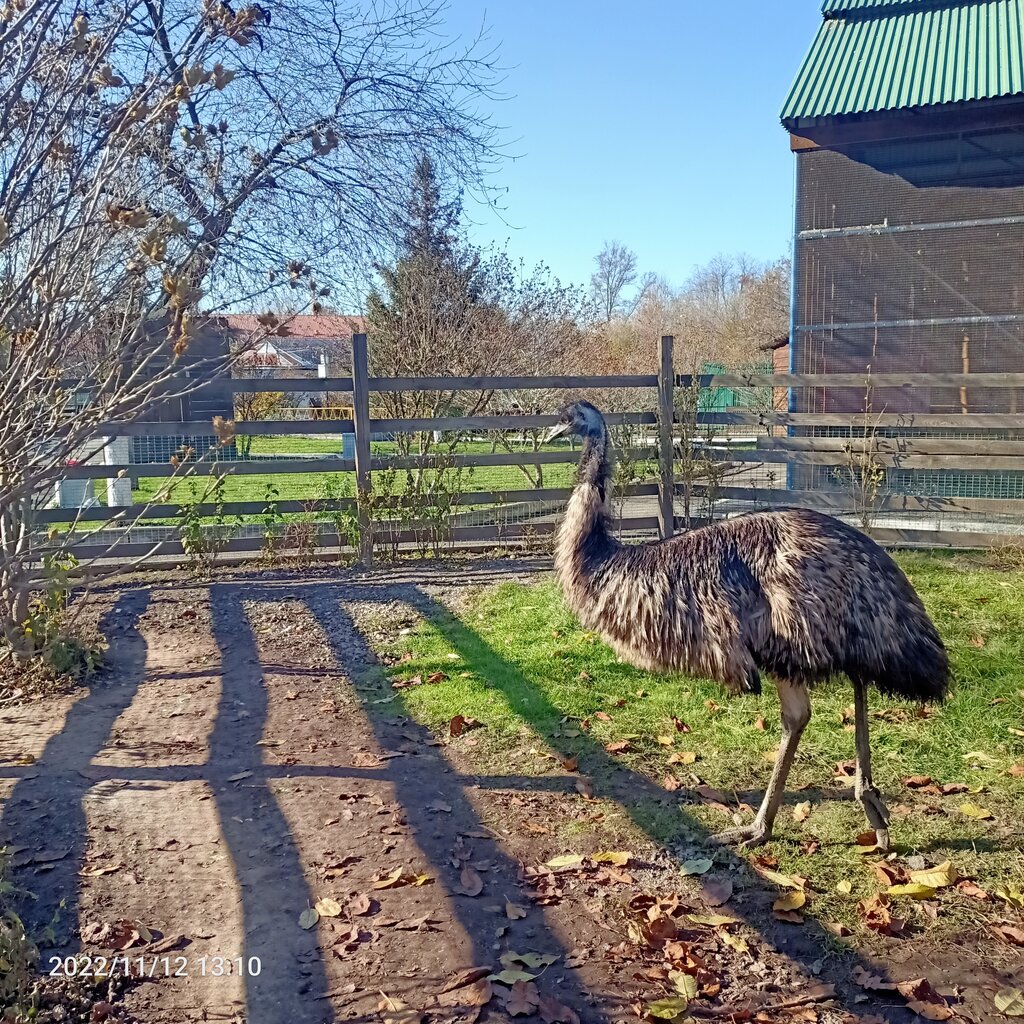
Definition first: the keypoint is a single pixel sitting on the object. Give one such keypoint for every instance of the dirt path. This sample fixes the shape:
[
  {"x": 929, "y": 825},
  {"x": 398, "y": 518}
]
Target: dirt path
[{"x": 230, "y": 772}]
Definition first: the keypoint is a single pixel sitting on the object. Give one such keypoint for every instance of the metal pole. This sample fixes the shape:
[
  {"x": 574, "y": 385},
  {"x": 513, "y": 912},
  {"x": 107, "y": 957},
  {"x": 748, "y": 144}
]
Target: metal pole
[
  {"x": 666, "y": 422},
  {"x": 361, "y": 424}
]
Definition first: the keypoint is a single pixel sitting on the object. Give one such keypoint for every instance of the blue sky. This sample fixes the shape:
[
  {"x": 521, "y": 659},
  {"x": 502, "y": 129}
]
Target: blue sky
[{"x": 654, "y": 123}]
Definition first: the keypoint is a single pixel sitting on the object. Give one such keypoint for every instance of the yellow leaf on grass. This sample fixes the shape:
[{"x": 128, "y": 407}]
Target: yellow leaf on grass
[
  {"x": 683, "y": 757},
  {"x": 788, "y": 881},
  {"x": 791, "y": 901},
  {"x": 665, "y": 741},
  {"x": 914, "y": 890},
  {"x": 802, "y": 811},
  {"x": 845, "y": 887},
  {"x": 974, "y": 811},
  {"x": 938, "y": 878}
]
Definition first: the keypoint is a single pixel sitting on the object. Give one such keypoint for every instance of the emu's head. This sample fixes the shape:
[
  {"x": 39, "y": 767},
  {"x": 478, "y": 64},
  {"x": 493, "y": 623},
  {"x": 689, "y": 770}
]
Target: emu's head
[{"x": 580, "y": 418}]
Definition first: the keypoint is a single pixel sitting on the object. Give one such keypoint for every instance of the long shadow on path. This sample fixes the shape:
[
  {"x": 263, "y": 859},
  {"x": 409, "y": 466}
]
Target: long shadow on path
[
  {"x": 46, "y": 809},
  {"x": 292, "y": 983},
  {"x": 634, "y": 793}
]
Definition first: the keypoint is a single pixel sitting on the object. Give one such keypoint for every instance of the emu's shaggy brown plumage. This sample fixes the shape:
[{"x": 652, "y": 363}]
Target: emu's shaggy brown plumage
[{"x": 793, "y": 593}]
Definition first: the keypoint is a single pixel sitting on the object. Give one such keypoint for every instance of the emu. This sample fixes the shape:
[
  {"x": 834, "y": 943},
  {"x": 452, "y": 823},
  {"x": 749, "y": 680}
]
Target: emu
[{"x": 792, "y": 593}]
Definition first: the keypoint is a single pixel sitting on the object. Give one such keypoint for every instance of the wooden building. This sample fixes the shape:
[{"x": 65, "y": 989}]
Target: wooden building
[{"x": 907, "y": 122}]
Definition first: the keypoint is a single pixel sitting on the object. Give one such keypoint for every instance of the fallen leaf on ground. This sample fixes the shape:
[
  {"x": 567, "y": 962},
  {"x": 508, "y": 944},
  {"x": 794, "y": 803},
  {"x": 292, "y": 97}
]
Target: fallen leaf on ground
[
  {"x": 568, "y": 860},
  {"x": 510, "y": 977},
  {"x": 1013, "y": 896},
  {"x": 460, "y": 724},
  {"x": 952, "y": 788},
  {"x": 523, "y": 1000},
  {"x": 791, "y": 901},
  {"x": 535, "y": 961},
  {"x": 468, "y": 988},
  {"x": 680, "y": 725},
  {"x": 938, "y": 877},
  {"x": 585, "y": 788},
  {"x": 308, "y": 918},
  {"x": 671, "y": 784},
  {"x": 918, "y": 781},
  {"x": 1010, "y": 934},
  {"x": 760, "y": 724},
  {"x": 914, "y": 890},
  {"x": 696, "y": 867},
  {"x": 618, "y": 747},
  {"x": 514, "y": 912},
  {"x": 802, "y": 811},
  {"x": 974, "y": 811},
  {"x": 570, "y": 764},
  {"x": 736, "y": 942},
  {"x": 786, "y": 881},
  {"x": 845, "y": 887},
  {"x": 240, "y": 776},
  {"x": 683, "y": 757},
  {"x": 668, "y": 1009},
  {"x": 328, "y": 907},
  {"x": 665, "y": 741},
  {"x": 788, "y": 916},
  {"x": 361, "y": 905},
  {"x": 711, "y": 920},
  {"x": 470, "y": 882},
  {"x": 436, "y": 677},
  {"x": 553, "y": 1012},
  {"x": 715, "y": 892},
  {"x": 685, "y": 984},
  {"x": 1010, "y": 1001},
  {"x": 620, "y": 858},
  {"x": 466, "y": 977},
  {"x": 394, "y": 1011},
  {"x": 439, "y": 807},
  {"x": 975, "y": 891}
]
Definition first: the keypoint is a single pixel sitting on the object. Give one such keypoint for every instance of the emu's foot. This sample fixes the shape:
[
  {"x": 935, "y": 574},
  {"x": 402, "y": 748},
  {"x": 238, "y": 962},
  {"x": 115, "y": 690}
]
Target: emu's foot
[
  {"x": 746, "y": 837},
  {"x": 877, "y": 815}
]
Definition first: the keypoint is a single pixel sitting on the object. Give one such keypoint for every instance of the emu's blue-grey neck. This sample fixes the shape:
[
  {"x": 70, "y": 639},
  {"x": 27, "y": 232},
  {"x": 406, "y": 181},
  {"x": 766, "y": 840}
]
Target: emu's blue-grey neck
[{"x": 595, "y": 466}]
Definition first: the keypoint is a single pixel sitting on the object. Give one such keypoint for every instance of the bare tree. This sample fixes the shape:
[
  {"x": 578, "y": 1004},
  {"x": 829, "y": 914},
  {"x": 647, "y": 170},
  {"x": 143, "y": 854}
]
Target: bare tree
[
  {"x": 609, "y": 284},
  {"x": 159, "y": 155}
]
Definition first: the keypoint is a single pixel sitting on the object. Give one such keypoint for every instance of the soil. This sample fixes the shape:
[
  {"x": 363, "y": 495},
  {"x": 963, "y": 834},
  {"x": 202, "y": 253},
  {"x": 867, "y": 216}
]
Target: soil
[{"x": 229, "y": 770}]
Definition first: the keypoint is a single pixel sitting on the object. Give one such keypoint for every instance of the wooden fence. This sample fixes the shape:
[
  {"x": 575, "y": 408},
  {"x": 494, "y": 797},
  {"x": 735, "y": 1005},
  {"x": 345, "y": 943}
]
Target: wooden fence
[{"x": 772, "y": 468}]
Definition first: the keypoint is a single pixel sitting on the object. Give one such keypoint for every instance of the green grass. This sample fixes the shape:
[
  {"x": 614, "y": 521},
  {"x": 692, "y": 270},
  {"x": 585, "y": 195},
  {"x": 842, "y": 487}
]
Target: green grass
[
  {"x": 297, "y": 486},
  {"x": 519, "y": 662}
]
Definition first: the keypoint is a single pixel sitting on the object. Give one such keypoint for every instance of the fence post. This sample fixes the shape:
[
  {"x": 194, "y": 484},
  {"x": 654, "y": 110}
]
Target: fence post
[
  {"x": 666, "y": 422},
  {"x": 361, "y": 425}
]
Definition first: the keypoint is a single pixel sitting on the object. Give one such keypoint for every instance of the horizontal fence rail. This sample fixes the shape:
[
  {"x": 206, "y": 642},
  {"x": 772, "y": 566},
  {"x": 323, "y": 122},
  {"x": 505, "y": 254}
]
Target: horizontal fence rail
[{"x": 686, "y": 461}]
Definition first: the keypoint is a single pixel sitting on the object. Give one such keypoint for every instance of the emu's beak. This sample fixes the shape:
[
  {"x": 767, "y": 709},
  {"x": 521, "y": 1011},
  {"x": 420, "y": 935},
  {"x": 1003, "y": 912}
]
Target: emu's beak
[{"x": 558, "y": 430}]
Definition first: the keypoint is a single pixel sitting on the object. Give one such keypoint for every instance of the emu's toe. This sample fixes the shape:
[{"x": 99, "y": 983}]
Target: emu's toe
[{"x": 746, "y": 837}]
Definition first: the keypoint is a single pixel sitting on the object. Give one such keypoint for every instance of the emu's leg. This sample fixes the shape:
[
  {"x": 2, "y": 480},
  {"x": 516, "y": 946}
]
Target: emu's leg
[
  {"x": 796, "y": 713},
  {"x": 871, "y": 800}
]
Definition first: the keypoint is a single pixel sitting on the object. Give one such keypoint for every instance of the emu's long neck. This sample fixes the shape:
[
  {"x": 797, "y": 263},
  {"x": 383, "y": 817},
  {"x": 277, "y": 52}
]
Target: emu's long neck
[{"x": 584, "y": 542}]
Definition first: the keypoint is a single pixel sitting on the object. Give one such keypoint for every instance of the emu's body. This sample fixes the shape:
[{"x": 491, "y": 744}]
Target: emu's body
[{"x": 792, "y": 593}]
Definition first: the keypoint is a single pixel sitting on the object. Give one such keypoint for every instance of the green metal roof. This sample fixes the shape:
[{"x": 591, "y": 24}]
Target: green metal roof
[{"x": 878, "y": 55}]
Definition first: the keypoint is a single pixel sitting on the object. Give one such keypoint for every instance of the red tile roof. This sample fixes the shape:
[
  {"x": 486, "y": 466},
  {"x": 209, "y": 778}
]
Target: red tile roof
[{"x": 328, "y": 326}]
